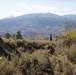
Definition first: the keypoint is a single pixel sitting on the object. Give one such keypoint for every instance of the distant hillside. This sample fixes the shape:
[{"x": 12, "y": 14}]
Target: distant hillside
[{"x": 40, "y": 23}]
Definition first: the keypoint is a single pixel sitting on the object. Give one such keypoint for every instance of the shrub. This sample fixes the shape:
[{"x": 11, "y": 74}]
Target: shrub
[{"x": 69, "y": 34}]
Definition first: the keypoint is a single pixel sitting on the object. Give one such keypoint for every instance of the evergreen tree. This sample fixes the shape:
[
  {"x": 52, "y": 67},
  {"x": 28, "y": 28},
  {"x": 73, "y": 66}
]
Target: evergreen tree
[
  {"x": 7, "y": 35},
  {"x": 50, "y": 37},
  {"x": 18, "y": 35}
]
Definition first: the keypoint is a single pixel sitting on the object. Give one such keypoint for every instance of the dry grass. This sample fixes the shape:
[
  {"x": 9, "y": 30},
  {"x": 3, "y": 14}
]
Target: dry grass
[{"x": 40, "y": 62}]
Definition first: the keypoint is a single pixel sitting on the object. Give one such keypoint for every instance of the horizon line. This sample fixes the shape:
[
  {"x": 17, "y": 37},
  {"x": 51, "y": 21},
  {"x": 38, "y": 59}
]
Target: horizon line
[{"x": 13, "y": 16}]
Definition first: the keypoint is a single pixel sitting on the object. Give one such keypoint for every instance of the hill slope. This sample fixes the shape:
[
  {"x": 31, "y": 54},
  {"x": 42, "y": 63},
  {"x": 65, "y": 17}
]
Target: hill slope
[{"x": 35, "y": 23}]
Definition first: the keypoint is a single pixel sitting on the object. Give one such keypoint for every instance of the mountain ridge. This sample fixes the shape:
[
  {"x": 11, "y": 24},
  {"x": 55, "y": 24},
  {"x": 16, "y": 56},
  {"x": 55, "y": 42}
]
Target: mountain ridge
[{"x": 38, "y": 22}]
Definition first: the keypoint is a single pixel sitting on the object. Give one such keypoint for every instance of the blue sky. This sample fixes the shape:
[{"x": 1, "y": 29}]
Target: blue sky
[{"x": 21, "y": 7}]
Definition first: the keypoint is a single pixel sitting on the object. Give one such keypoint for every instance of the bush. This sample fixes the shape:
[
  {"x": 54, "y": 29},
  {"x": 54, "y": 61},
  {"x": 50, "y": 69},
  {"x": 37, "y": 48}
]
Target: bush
[
  {"x": 69, "y": 34},
  {"x": 39, "y": 62}
]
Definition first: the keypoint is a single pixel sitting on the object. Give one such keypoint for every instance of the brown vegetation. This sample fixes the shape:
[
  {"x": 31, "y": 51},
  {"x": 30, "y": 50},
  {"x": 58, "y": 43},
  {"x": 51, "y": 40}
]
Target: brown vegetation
[{"x": 40, "y": 57}]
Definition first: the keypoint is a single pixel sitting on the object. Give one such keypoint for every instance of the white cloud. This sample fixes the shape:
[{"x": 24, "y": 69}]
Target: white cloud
[
  {"x": 68, "y": 4},
  {"x": 39, "y": 7},
  {"x": 26, "y": 8},
  {"x": 44, "y": 7},
  {"x": 21, "y": 5},
  {"x": 60, "y": 8}
]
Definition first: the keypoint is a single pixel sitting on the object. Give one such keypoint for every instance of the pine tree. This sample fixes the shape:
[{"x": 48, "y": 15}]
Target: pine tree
[
  {"x": 18, "y": 35},
  {"x": 7, "y": 35},
  {"x": 50, "y": 37}
]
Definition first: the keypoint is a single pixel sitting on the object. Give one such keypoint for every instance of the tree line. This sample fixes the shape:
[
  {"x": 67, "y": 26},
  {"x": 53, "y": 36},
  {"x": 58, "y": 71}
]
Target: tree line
[{"x": 18, "y": 35}]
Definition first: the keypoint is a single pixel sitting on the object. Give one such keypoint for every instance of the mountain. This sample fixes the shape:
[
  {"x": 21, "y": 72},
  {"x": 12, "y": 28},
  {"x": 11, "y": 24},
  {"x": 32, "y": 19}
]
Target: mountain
[{"x": 39, "y": 23}]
